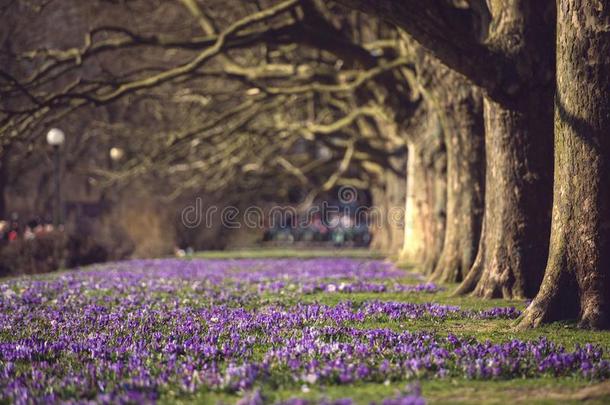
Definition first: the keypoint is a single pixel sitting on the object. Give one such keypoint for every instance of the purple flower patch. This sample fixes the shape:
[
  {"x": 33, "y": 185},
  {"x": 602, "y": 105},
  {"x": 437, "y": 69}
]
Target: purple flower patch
[{"x": 132, "y": 331}]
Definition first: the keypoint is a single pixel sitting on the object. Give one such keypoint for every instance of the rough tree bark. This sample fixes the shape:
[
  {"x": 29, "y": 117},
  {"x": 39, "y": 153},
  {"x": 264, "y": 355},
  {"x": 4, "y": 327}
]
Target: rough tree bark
[
  {"x": 577, "y": 279},
  {"x": 459, "y": 105},
  {"x": 518, "y": 143}
]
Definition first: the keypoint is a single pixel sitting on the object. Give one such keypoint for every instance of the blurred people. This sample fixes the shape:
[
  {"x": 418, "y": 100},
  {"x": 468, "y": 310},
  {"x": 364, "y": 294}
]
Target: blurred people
[
  {"x": 341, "y": 230},
  {"x": 13, "y": 233}
]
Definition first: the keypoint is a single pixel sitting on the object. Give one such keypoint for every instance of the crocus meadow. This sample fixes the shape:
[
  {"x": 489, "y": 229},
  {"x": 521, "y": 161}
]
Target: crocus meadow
[{"x": 141, "y": 330}]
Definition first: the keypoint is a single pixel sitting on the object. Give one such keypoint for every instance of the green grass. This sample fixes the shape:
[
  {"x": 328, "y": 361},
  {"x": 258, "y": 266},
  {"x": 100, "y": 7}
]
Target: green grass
[
  {"x": 545, "y": 390},
  {"x": 525, "y": 391},
  {"x": 283, "y": 253},
  {"x": 499, "y": 330}
]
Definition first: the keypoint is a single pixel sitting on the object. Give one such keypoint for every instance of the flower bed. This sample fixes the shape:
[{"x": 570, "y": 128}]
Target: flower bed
[{"x": 133, "y": 331}]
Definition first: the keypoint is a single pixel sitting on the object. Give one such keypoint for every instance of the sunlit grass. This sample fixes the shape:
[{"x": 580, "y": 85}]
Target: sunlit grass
[
  {"x": 278, "y": 252},
  {"x": 544, "y": 390},
  {"x": 526, "y": 391},
  {"x": 278, "y": 387}
]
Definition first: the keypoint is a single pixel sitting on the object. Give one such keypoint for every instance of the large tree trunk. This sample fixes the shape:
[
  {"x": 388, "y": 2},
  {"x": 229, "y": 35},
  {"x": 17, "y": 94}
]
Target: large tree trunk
[
  {"x": 461, "y": 108},
  {"x": 515, "y": 240},
  {"x": 577, "y": 279},
  {"x": 518, "y": 143}
]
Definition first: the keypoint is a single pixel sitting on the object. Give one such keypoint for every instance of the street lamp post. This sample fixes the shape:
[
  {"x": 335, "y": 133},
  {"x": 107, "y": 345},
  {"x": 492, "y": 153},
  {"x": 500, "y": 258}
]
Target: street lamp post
[{"x": 55, "y": 138}]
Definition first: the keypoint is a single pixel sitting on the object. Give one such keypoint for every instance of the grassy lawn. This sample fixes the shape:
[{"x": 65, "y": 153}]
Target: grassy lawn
[
  {"x": 528, "y": 391},
  {"x": 281, "y": 253},
  {"x": 543, "y": 390},
  {"x": 127, "y": 304}
]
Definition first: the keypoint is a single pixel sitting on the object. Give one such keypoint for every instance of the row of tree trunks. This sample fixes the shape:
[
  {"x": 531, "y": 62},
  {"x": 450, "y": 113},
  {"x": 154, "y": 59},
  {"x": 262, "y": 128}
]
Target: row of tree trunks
[
  {"x": 513, "y": 139},
  {"x": 577, "y": 279},
  {"x": 516, "y": 137},
  {"x": 518, "y": 145},
  {"x": 460, "y": 107},
  {"x": 519, "y": 85}
]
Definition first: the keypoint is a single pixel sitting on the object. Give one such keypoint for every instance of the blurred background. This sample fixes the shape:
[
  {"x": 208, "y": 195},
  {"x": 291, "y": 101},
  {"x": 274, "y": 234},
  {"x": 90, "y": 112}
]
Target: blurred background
[{"x": 117, "y": 116}]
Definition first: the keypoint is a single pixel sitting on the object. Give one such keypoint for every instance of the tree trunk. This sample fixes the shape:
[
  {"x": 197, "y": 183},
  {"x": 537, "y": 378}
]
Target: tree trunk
[
  {"x": 413, "y": 240},
  {"x": 425, "y": 204},
  {"x": 435, "y": 211},
  {"x": 379, "y": 229},
  {"x": 461, "y": 108},
  {"x": 396, "y": 190},
  {"x": 515, "y": 239},
  {"x": 452, "y": 102},
  {"x": 514, "y": 242},
  {"x": 388, "y": 202},
  {"x": 577, "y": 279}
]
